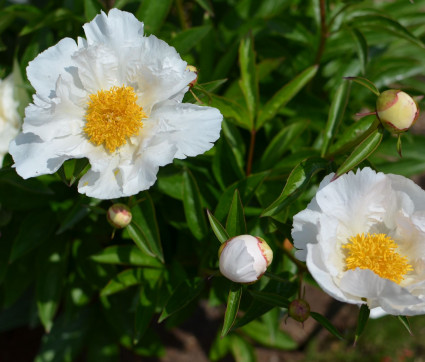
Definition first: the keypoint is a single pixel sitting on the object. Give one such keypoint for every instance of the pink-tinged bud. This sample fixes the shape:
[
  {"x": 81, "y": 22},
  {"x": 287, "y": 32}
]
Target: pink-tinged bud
[
  {"x": 119, "y": 216},
  {"x": 396, "y": 110},
  {"x": 299, "y": 310},
  {"x": 244, "y": 258},
  {"x": 194, "y": 70}
]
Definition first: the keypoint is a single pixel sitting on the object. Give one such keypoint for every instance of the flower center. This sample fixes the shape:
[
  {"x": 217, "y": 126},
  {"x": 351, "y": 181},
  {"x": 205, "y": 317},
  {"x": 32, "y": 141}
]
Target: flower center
[
  {"x": 112, "y": 116},
  {"x": 377, "y": 253}
]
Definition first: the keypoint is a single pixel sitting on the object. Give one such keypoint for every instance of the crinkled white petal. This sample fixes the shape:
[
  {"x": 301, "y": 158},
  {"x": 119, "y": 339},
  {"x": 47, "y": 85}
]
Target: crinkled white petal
[
  {"x": 191, "y": 128},
  {"x": 44, "y": 71}
]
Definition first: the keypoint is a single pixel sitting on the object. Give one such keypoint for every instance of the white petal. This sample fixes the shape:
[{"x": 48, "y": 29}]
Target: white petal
[
  {"x": 318, "y": 269},
  {"x": 118, "y": 28},
  {"x": 391, "y": 297},
  {"x": 34, "y": 157},
  {"x": 45, "y": 69},
  {"x": 161, "y": 73},
  {"x": 192, "y": 129}
]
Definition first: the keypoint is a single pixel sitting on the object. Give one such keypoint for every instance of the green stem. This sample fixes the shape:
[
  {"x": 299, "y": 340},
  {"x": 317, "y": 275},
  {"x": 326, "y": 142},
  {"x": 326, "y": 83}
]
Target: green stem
[
  {"x": 182, "y": 16},
  {"x": 250, "y": 153},
  {"x": 323, "y": 32}
]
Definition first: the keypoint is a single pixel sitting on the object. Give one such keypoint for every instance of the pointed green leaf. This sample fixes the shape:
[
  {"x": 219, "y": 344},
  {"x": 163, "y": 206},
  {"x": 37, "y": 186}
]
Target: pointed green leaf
[
  {"x": 361, "y": 321},
  {"x": 297, "y": 182},
  {"x": 365, "y": 83},
  {"x": 361, "y": 152},
  {"x": 206, "y": 5},
  {"x": 259, "y": 332},
  {"x": 144, "y": 229},
  {"x": 361, "y": 47},
  {"x": 123, "y": 280},
  {"x": 272, "y": 299},
  {"x": 284, "y": 95},
  {"x": 249, "y": 81},
  {"x": 336, "y": 113},
  {"x": 405, "y": 322},
  {"x": 233, "y": 301},
  {"x": 126, "y": 255},
  {"x": 392, "y": 26},
  {"x": 281, "y": 142},
  {"x": 327, "y": 324},
  {"x": 218, "y": 229},
  {"x": 236, "y": 224},
  {"x": 241, "y": 349},
  {"x": 353, "y": 135},
  {"x": 51, "y": 267},
  {"x": 231, "y": 109},
  {"x": 187, "y": 39},
  {"x": 193, "y": 210},
  {"x": 246, "y": 187},
  {"x": 185, "y": 292},
  {"x": 146, "y": 304},
  {"x": 153, "y": 14}
]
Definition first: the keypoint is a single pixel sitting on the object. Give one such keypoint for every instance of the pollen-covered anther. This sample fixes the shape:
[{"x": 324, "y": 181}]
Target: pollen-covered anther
[
  {"x": 113, "y": 116},
  {"x": 377, "y": 252}
]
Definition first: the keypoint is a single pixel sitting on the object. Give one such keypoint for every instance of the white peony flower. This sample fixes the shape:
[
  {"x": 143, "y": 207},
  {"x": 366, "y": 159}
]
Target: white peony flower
[
  {"x": 10, "y": 122},
  {"x": 244, "y": 258},
  {"x": 363, "y": 237},
  {"x": 114, "y": 98}
]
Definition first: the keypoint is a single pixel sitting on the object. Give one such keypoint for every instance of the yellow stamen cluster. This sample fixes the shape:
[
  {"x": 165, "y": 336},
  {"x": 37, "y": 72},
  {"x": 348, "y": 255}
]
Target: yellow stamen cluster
[
  {"x": 377, "y": 253},
  {"x": 112, "y": 116}
]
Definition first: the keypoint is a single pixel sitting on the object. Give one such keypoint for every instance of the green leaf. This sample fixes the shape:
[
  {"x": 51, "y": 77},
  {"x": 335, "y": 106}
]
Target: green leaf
[
  {"x": 126, "y": 255},
  {"x": 259, "y": 332},
  {"x": 361, "y": 152},
  {"x": 185, "y": 292},
  {"x": 193, "y": 210},
  {"x": 392, "y": 26},
  {"x": 281, "y": 143},
  {"x": 231, "y": 109},
  {"x": 146, "y": 303},
  {"x": 236, "y": 224},
  {"x": 67, "y": 337},
  {"x": 241, "y": 349},
  {"x": 233, "y": 301},
  {"x": 219, "y": 348},
  {"x": 365, "y": 83},
  {"x": 246, "y": 187},
  {"x": 33, "y": 185},
  {"x": 36, "y": 228},
  {"x": 284, "y": 95},
  {"x": 153, "y": 14},
  {"x": 361, "y": 47},
  {"x": 51, "y": 267},
  {"x": 327, "y": 324},
  {"x": 123, "y": 280},
  {"x": 272, "y": 299},
  {"x": 336, "y": 113},
  {"x": 297, "y": 182},
  {"x": 206, "y": 5},
  {"x": 187, "y": 39},
  {"x": 91, "y": 9},
  {"x": 80, "y": 210},
  {"x": 353, "y": 135},
  {"x": 218, "y": 229},
  {"x": 405, "y": 322},
  {"x": 361, "y": 321},
  {"x": 249, "y": 81},
  {"x": 144, "y": 229}
]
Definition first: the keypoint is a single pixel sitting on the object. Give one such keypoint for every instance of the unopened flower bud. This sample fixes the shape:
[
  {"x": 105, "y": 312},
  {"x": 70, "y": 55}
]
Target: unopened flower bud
[
  {"x": 396, "y": 110},
  {"x": 244, "y": 258},
  {"x": 299, "y": 310},
  {"x": 119, "y": 216},
  {"x": 194, "y": 70}
]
